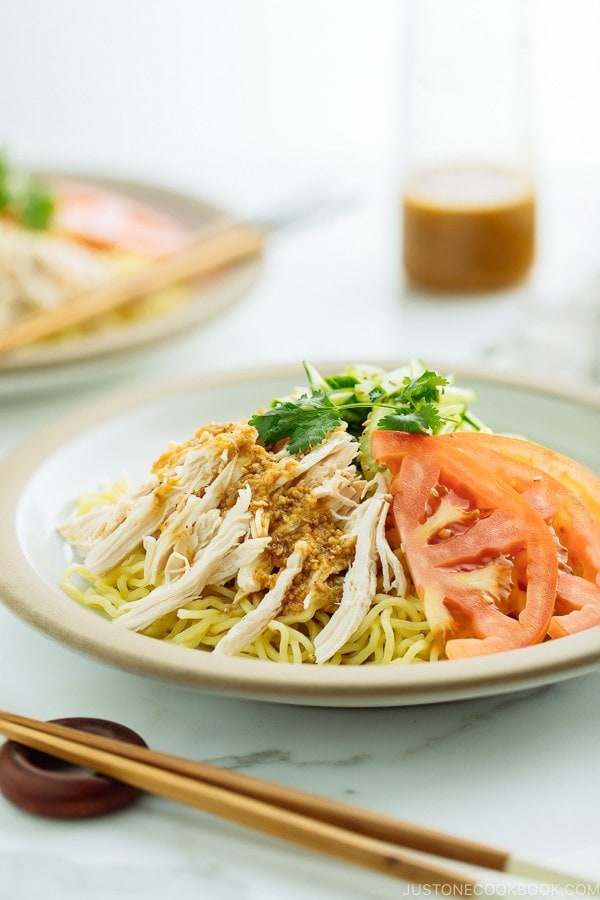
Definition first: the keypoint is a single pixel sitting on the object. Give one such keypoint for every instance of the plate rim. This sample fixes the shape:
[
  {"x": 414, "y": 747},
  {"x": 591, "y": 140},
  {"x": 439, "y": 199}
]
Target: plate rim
[
  {"x": 253, "y": 679},
  {"x": 116, "y": 340}
]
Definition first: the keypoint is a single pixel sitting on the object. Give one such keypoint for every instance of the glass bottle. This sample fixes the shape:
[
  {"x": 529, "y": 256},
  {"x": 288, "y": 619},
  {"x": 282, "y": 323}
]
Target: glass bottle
[{"x": 468, "y": 195}]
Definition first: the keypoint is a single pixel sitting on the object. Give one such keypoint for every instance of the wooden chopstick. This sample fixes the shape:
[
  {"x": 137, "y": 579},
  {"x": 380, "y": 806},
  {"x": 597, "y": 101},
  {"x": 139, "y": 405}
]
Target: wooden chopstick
[
  {"x": 244, "y": 810},
  {"x": 380, "y": 827},
  {"x": 346, "y": 832},
  {"x": 215, "y": 248}
]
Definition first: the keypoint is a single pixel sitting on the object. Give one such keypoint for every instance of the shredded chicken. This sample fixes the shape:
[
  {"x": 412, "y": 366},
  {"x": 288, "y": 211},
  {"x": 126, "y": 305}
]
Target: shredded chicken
[
  {"x": 253, "y": 623},
  {"x": 138, "y": 614},
  {"x": 40, "y": 271},
  {"x": 360, "y": 584},
  {"x": 292, "y": 533}
]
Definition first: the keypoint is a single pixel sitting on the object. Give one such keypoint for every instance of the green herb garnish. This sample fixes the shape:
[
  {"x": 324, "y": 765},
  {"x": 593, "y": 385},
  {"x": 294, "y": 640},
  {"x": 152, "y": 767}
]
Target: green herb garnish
[
  {"x": 306, "y": 422},
  {"x": 37, "y": 207},
  {"x": 410, "y": 404},
  {"x": 24, "y": 198},
  {"x": 425, "y": 420}
]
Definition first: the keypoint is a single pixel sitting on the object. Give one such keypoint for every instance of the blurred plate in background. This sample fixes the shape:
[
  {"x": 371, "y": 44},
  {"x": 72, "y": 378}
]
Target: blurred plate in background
[{"x": 60, "y": 360}]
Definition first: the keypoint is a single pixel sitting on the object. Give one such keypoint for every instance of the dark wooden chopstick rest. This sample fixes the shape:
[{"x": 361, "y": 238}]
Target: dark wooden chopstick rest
[{"x": 46, "y": 786}]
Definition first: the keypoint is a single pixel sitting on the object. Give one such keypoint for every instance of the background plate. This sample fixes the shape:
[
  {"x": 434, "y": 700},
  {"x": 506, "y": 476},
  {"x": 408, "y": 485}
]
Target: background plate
[
  {"x": 124, "y": 434},
  {"x": 35, "y": 363}
]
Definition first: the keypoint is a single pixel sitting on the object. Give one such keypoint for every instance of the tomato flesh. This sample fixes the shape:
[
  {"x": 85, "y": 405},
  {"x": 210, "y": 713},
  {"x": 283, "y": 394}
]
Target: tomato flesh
[
  {"x": 577, "y": 478},
  {"x": 577, "y": 606},
  {"x": 112, "y": 221},
  {"x": 480, "y": 556},
  {"x": 576, "y": 527}
]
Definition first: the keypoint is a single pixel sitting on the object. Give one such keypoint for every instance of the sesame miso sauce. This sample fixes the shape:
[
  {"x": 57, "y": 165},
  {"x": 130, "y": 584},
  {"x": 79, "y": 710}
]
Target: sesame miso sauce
[{"x": 468, "y": 228}]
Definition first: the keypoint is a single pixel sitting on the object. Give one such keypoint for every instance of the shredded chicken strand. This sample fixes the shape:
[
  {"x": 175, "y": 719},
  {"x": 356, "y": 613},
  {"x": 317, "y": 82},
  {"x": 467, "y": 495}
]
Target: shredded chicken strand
[
  {"x": 139, "y": 614},
  {"x": 291, "y": 533},
  {"x": 360, "y": 584},
  {"x": 255, "y": 622},
  {"x": 40, "y": 271}
]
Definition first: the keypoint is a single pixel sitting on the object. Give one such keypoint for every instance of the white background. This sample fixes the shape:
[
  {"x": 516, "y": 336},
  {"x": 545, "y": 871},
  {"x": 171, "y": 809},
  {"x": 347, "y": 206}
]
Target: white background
[{"x": 239, "y": 97}]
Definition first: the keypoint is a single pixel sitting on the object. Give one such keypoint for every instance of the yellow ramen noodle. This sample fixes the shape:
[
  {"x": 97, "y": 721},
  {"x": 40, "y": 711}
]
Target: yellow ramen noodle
[{"x": 393, "y": 632}]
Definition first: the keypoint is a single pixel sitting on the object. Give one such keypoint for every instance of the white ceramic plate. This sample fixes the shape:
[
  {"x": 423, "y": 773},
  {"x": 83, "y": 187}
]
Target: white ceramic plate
[
  {"x": 126, "y": 433},
  {"x": 51, "y": 363}
]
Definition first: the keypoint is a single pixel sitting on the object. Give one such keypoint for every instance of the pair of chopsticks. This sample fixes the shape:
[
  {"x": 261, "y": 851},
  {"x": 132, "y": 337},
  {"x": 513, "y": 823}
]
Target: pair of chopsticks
[
  {"x": 384, "y": 844},
  {"x": 224, "y": 244}
]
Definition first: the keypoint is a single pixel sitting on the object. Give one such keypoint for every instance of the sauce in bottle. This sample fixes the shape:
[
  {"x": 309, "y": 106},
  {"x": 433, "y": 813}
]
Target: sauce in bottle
[{"x": 468, "y": 228}]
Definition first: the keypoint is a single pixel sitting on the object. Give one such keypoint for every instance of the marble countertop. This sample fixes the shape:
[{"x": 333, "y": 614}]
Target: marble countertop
[{"x": 515, "y": 771}]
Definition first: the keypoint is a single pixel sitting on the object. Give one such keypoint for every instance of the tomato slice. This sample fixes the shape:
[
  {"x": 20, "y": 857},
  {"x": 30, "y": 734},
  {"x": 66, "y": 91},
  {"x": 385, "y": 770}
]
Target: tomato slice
[
  {"x": 108, "y": 220},
  {"x": 577, "y": 606},
  {"x": 576, "y": 527},
  {"x": 480, "y": 556},
  {"x": 579, "y": 479}
]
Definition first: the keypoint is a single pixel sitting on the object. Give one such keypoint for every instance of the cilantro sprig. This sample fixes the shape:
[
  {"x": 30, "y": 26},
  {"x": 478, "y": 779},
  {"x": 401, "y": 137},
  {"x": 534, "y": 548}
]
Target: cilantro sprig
[
  {"x": 25, "y": 198},
  {"x": 306, "y": 421}
]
